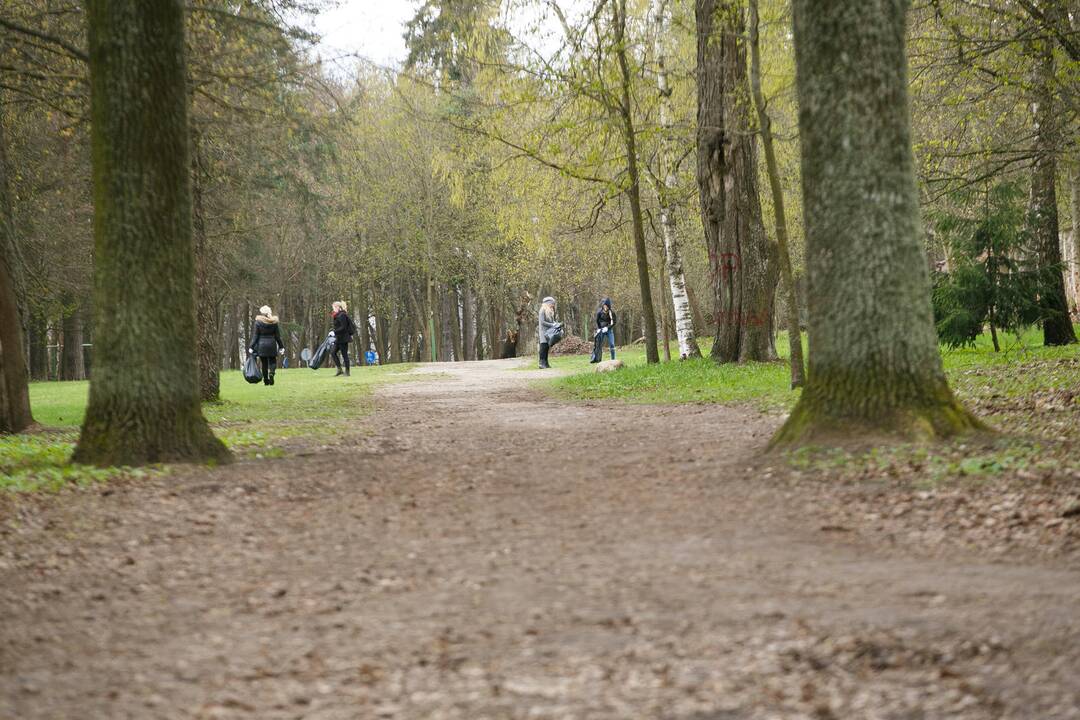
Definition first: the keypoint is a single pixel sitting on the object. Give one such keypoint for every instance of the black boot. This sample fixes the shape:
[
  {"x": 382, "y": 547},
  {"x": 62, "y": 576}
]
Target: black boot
[{"x": 544, "y": 348}]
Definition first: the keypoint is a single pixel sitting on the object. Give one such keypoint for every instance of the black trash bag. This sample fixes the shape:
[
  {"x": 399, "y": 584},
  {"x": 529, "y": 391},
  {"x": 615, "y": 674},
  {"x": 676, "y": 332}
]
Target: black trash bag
[
  {"x": 554, "y": 335},
  {"x": 252, "y": 373},
  {"x": 597, "y": 347},
  {"x": 323, "y": 352}
]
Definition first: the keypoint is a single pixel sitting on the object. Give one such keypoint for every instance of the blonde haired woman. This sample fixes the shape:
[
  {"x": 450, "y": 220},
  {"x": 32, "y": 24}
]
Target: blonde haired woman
[
  {"x": 266, "y": 342},
  {"x": 545, "y": 325},
  {"x": 344, "y": 328}
]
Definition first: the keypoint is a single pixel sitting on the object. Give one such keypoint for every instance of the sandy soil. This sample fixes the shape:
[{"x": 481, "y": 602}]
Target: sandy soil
[{"x": 477, "y": 550}]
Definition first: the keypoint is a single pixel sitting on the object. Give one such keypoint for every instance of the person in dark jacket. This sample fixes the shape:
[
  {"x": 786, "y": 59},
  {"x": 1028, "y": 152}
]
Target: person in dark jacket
[
  {"x": 343, "y": 332},
  {"x": 266, "y": 342},
  {"x": 605, "y": 326}
]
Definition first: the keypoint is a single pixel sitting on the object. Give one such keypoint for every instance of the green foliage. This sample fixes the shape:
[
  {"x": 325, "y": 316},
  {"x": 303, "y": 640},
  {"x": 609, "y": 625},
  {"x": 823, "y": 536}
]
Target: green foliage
[
  {"x": 991, "y": 281},
  {"x": 686, "y": 381}
]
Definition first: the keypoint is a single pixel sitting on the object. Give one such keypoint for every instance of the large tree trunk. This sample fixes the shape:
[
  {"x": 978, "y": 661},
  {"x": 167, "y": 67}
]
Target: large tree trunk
[
  {"x": 1074, "y": 239},
  {"x": 798, "y": 377},
  {"x": 633, "y": 190},
  {"x": 1042, "y": 205},
  {"x": 72, "y": 360},
  {"x": 207, "y": 312},
  {"x": 742, "y": 262},
  {"x": 468, "y": 321},
  {"x": 144, "y": 397},
  {"x": 15, "y": 413},
  {"x": 453, "y": 305},
  {"x": 684, "y": 319},
  {"x": 431, "y": 331},
  {"x": 874, "y": 363}
]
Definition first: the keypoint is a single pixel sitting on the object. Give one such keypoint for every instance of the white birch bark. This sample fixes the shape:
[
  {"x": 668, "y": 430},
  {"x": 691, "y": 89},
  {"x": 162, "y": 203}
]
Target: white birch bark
[{"x": 684, "y": 319}]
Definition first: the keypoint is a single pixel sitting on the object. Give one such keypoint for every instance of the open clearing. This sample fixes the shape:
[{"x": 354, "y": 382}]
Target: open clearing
[{"x": 475, "y": 549}]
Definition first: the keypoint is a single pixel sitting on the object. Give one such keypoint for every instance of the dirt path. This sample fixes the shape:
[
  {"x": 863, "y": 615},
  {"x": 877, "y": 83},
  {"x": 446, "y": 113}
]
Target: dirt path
[{"x": 480, "y": 551}]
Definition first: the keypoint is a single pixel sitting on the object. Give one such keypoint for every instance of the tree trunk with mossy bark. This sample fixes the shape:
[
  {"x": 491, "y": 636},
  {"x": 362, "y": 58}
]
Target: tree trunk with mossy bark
[
  {"x": 874, "y": 365},
  {"x": 743, "y": 263},
  {"x": 144, "y": 395},
  {"x": 15, "y": 415},
  {"x": 791, "y": 295},
  {"x": 207, "y": 306},
  {"x": 1042, "y": 205},
  {"x": 633, "y": 189}
]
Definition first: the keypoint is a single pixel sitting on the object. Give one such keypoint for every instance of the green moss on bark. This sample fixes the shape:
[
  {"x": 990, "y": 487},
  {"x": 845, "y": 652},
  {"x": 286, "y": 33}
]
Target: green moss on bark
[
  {"x": 144, "y": 394},
  {"x": 874, "y": 367}
]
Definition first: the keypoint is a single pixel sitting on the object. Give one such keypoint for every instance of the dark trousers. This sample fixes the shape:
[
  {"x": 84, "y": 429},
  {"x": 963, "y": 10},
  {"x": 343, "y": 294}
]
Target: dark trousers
[
  {"x": 544, "y": 347},
  {"x": 342, "y": 348},
  {"x": 269, "y": 365}
]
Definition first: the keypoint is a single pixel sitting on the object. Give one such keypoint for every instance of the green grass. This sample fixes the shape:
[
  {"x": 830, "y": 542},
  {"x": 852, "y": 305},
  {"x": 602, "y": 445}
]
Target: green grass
[
  {"x": 251, "y": 419},
  {"x": 765, "y": 384},
  {"x": 1024, "y": 366}
]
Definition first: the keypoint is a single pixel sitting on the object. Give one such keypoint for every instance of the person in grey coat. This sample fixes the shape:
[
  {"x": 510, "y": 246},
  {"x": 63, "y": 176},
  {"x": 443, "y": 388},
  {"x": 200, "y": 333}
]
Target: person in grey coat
[{"x": 545, "y": 324}]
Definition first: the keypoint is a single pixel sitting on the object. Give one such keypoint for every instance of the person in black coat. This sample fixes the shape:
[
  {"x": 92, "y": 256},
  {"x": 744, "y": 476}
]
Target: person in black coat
[
  {"x": 343, "y": 332},
  {"x": 266, "y": 342},
  {"x": 605, "y": 326}
]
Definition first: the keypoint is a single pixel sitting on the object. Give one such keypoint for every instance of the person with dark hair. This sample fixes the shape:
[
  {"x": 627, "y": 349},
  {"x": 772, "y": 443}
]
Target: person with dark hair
[
  {"x": 343, "y": 332},
  {"x": 266, "y": 343},
  {"x": 605, "y": 327}
]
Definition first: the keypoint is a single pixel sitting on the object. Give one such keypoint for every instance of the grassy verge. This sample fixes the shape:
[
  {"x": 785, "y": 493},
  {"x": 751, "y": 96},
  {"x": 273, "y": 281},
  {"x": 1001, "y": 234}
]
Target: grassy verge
[
  {"x": 253, "y": 420},
  {"x": 1023, "y": 367},
  {"x": 765, "y": 384}
]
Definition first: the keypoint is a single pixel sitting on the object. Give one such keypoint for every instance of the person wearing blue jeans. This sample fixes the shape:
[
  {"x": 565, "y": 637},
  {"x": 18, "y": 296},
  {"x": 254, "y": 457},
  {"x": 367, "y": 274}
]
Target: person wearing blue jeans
[{"x": 605, "y": 325}]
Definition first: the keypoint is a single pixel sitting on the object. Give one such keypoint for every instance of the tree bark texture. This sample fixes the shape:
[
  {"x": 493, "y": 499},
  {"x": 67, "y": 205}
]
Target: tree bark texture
[
  {"x": 15, "y": 415},
  {"x": 798, "y": 375},
  {"x": 874, "y": 365},
  {"x": 633, "y": 190},
  {"x": 1042, "y": 204},
  {"x": 742, "y": 265},
  {"x": 684, "y": 319},
  {"x": 468, "y": 322},
  {"x": 207, "y": 309},
  {"x": 144, "y": 397},
  {"x": 1074, "y": 238}
]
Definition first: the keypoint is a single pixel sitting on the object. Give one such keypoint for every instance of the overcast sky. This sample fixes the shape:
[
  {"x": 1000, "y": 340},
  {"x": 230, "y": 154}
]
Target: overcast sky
[{"x": 373, "y": 28}]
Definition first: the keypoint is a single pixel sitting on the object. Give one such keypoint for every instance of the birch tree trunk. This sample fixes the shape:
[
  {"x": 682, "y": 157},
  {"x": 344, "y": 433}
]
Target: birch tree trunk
[
  {"x": 680, "y": 301},
  {"x": 874, "y": 363},
  {"x": 144, "y": 396},
  {"x": 798, "y": 377}
]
